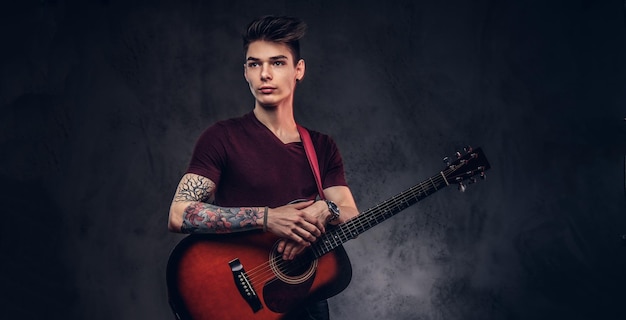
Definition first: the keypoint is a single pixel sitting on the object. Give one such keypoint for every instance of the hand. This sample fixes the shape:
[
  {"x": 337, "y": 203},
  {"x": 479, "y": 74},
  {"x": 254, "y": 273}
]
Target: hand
[
  {"x": 296, "y": 222},
  {"x": 318, "y": 211},
  {"x": 289, "y": 249}
]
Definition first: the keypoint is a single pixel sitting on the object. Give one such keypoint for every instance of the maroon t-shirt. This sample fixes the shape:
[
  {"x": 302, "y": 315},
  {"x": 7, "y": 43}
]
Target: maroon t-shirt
[{"x": 252, "y": 167}]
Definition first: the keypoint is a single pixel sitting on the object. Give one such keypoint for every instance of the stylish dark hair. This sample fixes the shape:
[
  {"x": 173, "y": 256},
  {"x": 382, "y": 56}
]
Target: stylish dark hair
[{"x": 279, "y": 29}]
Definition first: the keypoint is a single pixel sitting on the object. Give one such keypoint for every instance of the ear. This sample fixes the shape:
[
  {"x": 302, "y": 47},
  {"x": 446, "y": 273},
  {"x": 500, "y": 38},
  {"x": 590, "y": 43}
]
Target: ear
[{"x": 300, "y": 68}]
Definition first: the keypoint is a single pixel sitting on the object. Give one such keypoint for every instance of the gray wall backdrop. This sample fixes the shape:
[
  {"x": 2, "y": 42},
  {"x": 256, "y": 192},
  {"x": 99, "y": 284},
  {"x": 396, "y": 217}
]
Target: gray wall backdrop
[{"x": 101, "y": 103}]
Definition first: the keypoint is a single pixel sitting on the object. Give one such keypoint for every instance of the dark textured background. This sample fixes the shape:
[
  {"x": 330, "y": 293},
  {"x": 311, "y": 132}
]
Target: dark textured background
[{"x": 101, "y": 103}]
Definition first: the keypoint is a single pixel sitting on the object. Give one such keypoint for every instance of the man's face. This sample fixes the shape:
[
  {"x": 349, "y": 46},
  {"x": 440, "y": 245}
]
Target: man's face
[{"x": 271, "y": 73}]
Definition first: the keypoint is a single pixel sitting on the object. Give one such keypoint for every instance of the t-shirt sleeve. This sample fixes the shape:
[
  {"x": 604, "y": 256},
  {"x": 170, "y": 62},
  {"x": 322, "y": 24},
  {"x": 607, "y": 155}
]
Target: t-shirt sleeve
[
  {"x": 333, "y": 174},
  {"x": 209, "y": 156}
]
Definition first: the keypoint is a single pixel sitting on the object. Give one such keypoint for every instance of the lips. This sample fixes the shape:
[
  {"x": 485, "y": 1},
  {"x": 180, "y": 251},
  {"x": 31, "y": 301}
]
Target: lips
[{"x": 267, "y": 89}]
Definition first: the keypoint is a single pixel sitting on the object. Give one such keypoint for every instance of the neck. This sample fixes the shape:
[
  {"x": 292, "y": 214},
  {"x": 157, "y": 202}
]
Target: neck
[{"x": 279, "y": 121}]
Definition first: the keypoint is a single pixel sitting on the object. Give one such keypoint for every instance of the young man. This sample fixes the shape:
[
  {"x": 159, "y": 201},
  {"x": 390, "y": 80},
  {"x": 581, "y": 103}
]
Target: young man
[{"x": 254, "y": 165}]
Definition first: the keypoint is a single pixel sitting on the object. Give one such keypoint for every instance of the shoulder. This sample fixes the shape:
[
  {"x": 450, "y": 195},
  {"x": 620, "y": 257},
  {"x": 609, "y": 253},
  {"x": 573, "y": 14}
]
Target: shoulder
[
  {"x": 322, "y": 141},
  {"x": 223, "y": 127},
  {"x": 218, "y": 135},
  {"x": 232, "y": 122}
]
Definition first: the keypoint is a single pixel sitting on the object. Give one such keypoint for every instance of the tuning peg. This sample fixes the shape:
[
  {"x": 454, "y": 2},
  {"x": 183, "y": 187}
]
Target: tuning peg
[
  {"x": 483, "y": 175},
  {"x": 458, "y": 154},
  {"x": 462, "y": 187},
  {"x": 468, "y": 149},
  {"x": 446, "y": 160},
  {"x": 472, "y": 180}
]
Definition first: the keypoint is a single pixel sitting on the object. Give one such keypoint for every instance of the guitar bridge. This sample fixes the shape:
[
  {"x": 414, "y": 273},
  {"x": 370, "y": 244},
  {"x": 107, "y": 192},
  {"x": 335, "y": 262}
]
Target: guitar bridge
[{"x": 245, "y": 287}]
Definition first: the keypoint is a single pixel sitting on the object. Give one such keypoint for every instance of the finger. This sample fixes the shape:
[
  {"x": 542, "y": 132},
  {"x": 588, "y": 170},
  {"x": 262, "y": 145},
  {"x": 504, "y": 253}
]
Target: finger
[
  {"x": 288, "y": 253},
  {"x": 311, "y": 224},
  {"x": 313, "y": 229},
  {"x": 292, "y": 250},
  {"x": 300, "y": 240},
  {"x": 281, "y": 245},
  {"x": 317, "y": 219},
  {"x": 320, "y": 226},
  {"x": 308, "y": 235}
]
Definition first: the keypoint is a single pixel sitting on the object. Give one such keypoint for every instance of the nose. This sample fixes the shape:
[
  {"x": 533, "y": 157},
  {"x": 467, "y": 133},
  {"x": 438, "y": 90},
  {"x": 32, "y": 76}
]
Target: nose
[{"x": 266, "y": 73}]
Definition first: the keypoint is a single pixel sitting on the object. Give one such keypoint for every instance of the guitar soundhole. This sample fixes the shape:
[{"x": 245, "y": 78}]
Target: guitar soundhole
[{"x": 294, "y": 271}]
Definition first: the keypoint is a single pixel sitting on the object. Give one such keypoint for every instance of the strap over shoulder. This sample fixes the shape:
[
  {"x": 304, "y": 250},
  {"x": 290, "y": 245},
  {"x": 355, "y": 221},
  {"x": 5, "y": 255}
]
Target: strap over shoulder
[{"x": 312, "y": 157}]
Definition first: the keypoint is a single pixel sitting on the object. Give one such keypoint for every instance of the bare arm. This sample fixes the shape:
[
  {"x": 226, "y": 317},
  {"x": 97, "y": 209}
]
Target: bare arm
[
  {"x": 190, "y": 213},
  {"x": 342, "y": 197}
]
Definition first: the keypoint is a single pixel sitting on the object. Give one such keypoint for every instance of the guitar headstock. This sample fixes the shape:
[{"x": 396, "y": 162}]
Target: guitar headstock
[{"x": 466, "y": 167}]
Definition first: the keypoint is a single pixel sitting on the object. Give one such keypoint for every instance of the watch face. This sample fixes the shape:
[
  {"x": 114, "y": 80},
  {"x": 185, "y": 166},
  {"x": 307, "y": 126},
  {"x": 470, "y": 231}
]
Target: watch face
[
  {"x": 334, "y": 210},
  {"x": 332, "y": 207}
]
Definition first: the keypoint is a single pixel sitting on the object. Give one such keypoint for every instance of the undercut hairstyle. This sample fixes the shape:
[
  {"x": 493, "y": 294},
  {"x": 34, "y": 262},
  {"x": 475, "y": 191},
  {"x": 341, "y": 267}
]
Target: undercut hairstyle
[{"x": 277, "y": 29}]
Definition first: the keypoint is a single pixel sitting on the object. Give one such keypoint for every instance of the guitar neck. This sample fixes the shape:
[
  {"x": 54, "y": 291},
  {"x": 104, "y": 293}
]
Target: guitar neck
[{"x": 377, "y": 214}]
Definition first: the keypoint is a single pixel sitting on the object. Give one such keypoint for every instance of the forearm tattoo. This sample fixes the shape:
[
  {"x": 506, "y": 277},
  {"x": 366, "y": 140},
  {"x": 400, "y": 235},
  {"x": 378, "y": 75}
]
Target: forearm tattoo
[
  {"x": 207, "y": 218},
  {"x": 202, "y": 217}
]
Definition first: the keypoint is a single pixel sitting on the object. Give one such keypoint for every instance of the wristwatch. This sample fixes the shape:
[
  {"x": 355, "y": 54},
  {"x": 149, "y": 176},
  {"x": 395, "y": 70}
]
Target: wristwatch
[{"x": 334, "y": 210}]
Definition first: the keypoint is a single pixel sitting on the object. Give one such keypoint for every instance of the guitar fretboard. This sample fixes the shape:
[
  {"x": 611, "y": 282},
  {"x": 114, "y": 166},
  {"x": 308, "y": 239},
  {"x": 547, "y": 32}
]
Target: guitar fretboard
[{"x": 377, "y": 214}]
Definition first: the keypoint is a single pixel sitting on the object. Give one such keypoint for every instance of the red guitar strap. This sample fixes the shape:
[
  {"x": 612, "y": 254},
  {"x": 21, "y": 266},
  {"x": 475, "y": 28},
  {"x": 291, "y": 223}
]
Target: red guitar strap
[{"x": 312, "y": 157}]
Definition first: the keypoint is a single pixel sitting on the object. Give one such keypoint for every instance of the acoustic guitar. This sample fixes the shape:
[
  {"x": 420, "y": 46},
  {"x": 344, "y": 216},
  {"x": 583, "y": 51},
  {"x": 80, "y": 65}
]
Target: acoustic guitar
[{"x": 241, "y": 276}]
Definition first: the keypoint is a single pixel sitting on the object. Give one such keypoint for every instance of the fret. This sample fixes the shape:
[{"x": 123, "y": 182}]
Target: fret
[
  {"x": 350, "y": 226},
  {"x": 369, "y": 221},
  {"x": 316, "y": 250},
  {"x": 353, "y": 230},
  {"x": 358, "y": 225},
  {"x": 325, "y": 245},
  {"x": 334, "y": 242},
  {"x": 434, "y": 186},
  {"x": 328, "y": 242},
  {"x": 387, "y": 214},
  {"x": 444, "y": 178},
  {"x": 343, "y": 237}
]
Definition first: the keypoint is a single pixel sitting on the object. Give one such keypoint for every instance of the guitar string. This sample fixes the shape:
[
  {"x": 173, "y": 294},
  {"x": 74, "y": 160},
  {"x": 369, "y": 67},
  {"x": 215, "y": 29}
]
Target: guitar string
[
  {"x": 398, "y": 203},
  {"x": 387, "y": 207},
  {"x": 393, "y": 204},
  {"x": 268, "y": 274},
  {"x": 413, "y": 193},
  {"x": 265, "y": 274},
  {"x": 283, "y": 266},
  {"x": 265, "y": 270}
]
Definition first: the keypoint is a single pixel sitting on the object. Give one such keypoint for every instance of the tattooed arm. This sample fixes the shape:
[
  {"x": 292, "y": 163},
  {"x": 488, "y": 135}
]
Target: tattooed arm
[{"x": 190, "y": 212}]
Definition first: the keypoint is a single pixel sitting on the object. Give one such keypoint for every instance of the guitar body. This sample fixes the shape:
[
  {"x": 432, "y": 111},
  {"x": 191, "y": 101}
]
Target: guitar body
[{"x": 204, "y": 282}]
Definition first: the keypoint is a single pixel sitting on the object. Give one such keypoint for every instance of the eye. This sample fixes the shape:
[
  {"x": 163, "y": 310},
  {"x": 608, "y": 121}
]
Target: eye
[
  {"x": 279, "y": 63},
  {"x": 253, "y": 64}
]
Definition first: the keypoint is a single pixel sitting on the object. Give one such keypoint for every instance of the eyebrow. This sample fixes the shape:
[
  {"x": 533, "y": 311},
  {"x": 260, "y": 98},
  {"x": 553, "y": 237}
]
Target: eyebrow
[{"x": 280, "y": 57}]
